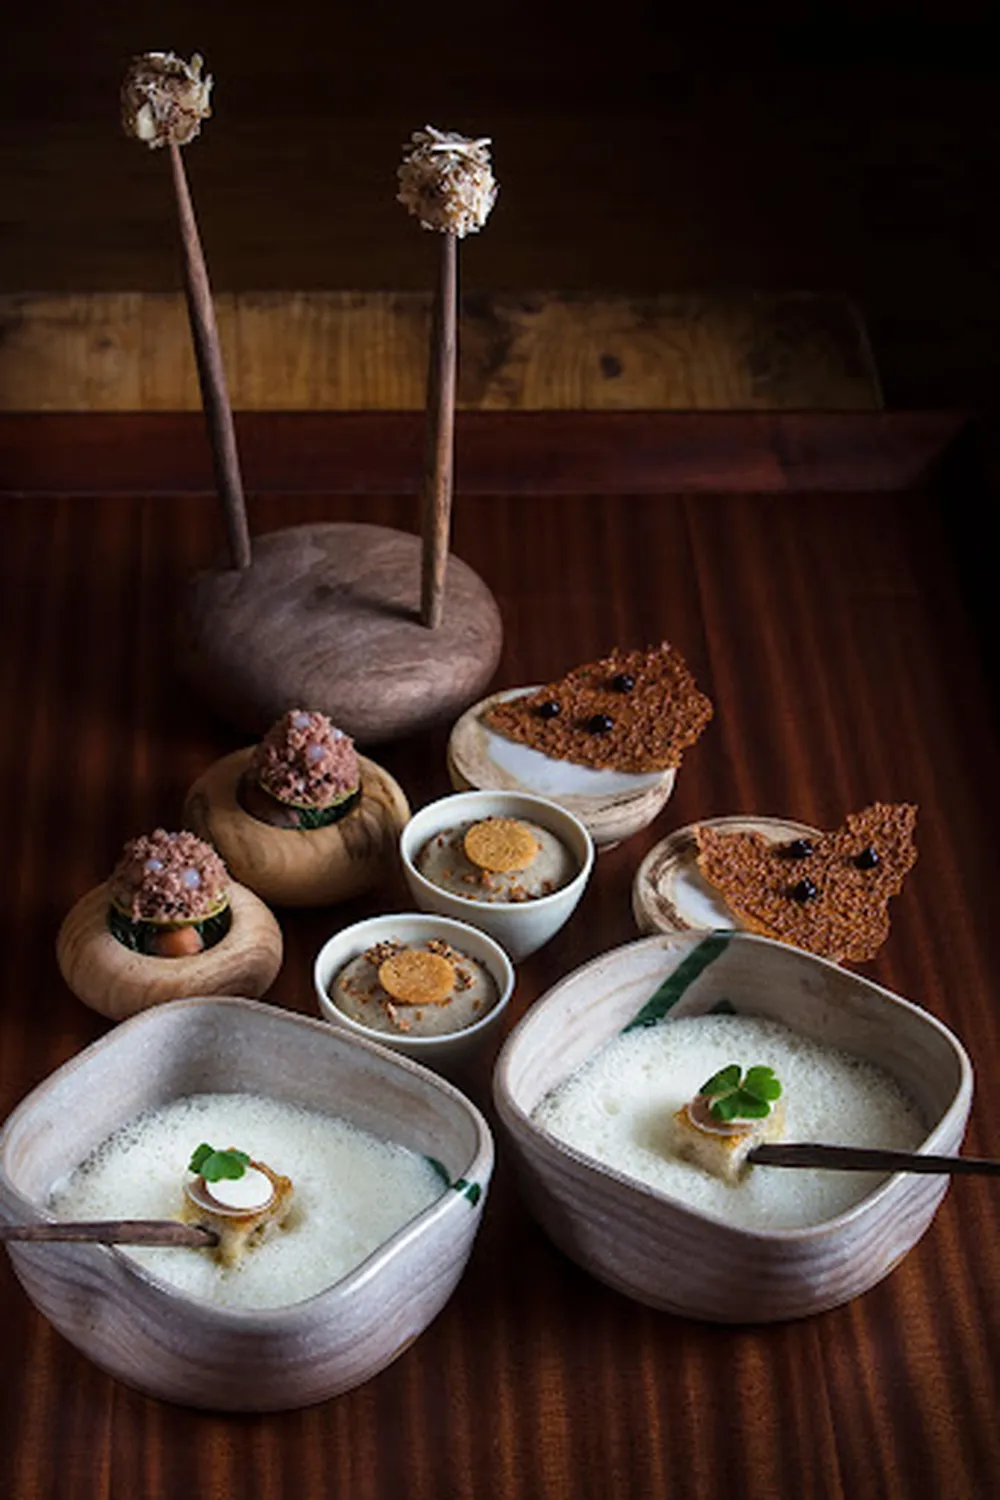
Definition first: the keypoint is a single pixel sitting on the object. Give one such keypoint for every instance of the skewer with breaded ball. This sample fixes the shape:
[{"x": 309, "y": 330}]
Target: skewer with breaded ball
[
  {"x": 163, "y": 101},
  {"x": 447, "y": 183}
]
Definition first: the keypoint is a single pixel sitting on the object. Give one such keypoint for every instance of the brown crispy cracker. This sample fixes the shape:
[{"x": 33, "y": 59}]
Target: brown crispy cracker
[
  {"x": 414, "y": 977},
  {"x": 652, "y": 725},
  {"x": 848, "y": 918},
  {"x": 500, "y": 845}
]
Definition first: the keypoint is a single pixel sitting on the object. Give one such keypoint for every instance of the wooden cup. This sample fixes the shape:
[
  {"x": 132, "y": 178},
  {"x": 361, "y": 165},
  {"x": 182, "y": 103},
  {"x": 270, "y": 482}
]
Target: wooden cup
[
  {"x": 295, "y": 866},
  {"x": 117, "y": 982}
]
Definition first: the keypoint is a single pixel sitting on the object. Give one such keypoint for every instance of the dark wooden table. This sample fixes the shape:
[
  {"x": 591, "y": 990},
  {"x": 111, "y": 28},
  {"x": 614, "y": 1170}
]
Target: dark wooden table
[{"x": 825, "y": 578}]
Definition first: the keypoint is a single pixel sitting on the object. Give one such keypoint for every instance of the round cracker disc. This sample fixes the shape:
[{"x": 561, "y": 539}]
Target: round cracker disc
[
  {"x": 500, "y": 845},
  {"x": 414, "y": 977}
]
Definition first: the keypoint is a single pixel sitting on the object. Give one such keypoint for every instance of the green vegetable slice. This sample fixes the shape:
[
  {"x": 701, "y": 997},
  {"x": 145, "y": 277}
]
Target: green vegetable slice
[{"x": 141, "y": 936}]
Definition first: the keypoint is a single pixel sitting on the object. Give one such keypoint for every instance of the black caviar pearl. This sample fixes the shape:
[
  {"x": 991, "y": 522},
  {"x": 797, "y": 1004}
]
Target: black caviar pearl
[
  {"x": 623, "y": 682},
  {"x": 601, "y": 724},
  {"x": 549, "y": 709},
  {"x": 867, "y": 859},
  {"x": 806, "y": 890},
  {"x": 799, "y": 849}
]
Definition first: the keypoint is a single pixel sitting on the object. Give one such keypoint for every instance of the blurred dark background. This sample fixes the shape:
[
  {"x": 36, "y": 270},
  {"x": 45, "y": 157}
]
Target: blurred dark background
[{"x": 835, "y": 150}]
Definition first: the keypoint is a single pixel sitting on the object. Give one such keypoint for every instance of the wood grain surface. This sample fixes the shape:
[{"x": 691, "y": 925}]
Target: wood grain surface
[
  {"x": 837, "y": 631},
  {"x": 356, "y": 351},
  {"x": 637, "y": 149}
]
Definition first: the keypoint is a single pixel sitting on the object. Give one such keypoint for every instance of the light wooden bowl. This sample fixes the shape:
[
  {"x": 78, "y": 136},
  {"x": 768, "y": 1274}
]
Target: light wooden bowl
[
  {"x": 520, "y": 927},
  {"x": 154, "y": 1337},
  {"x": 293, "y": 866},
  {"x": 655, "y": 1248},
  {"x": 612, "y": 805},
  {"x": 113, "y": 980},
  {"x": 669, "y": 892}
]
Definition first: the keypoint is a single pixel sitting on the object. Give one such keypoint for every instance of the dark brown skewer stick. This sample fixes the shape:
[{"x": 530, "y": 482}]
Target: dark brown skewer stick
[
  {"x": 861, "y": 1159},
  {"x": 113, "y": 1232},
  {"x": 440, "y": 452},
  {"x": 211, "y": 374}
]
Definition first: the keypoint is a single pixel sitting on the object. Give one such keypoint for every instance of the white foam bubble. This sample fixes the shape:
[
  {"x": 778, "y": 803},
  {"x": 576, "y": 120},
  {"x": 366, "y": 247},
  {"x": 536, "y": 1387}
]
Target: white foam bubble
[
  {"x": 617, "y": 1108},
  {"x": 352, "y": 1193}
]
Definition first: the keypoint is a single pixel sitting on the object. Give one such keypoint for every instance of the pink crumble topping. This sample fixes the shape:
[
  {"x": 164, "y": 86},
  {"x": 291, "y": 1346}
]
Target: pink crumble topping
[
  {"x": 162, "y": 877},
  {"x": 304, "y": 760}
]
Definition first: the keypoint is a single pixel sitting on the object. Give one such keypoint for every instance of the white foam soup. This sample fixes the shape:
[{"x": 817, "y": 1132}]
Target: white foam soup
[
  {"x": 353, "y": 1191},
  {"x": 617, "y": 1108}
]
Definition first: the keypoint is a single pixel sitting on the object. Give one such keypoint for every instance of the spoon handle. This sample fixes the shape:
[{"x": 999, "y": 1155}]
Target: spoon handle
[
  {"x": 860, "y": 1159},
  {"x": 114, "y": 1232}
]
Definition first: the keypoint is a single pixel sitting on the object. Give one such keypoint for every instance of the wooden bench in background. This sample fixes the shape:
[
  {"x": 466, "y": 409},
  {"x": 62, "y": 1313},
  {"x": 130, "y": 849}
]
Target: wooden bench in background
[{"x": 342, "y": 350}]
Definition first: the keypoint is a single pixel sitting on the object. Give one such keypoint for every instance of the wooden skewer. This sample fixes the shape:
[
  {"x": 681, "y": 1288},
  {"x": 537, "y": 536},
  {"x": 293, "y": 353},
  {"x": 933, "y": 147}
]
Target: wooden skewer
[
  {"x": 114, "y": 1232},
  {"x": 211, "y": 373},
  {"x": 439, "y": 457},
  {"x": 860, "y": 1159}
]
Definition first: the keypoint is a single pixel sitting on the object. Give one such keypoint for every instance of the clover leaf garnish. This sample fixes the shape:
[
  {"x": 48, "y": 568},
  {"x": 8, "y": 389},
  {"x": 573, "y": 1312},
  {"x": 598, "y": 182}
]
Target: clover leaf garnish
[
  {"x": 738, "y": 1095},
  {"x": 214, "y": 1165}
]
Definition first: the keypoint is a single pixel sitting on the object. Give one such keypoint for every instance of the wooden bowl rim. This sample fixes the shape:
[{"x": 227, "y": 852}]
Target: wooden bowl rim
[
  {"x": 581, "y": 804},
  {"x": 229, "y": 768},
  {"x": 672, "y": 849},
  {"x": 242, "y": 901}
]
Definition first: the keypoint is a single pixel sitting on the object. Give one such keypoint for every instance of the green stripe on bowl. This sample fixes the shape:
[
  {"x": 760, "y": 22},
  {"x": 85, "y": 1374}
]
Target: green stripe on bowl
[
  {"x": 471, "y": 1190},
  {"x": 673, "y": 987}
]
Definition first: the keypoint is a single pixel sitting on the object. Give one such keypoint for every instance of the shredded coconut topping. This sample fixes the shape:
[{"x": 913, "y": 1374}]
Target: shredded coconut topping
[
  {"x": 164, "y": 877},
  {"x": 306, "y": 761},
  {"x": 446, "y": 181},
  {"x": 164, "y": 99}
]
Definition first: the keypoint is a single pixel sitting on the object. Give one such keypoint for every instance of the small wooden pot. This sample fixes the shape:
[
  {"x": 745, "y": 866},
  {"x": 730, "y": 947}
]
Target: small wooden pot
[
  {"x": 113, "y": 980},
  {"x": 669, "y": 893},
  {"x": 612, "y": 805},
  {"x": 297, "y": 866}
]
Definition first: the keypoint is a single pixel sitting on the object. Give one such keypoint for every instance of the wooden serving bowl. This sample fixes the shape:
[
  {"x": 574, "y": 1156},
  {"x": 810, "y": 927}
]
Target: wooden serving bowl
[
  {"x": 655, "y": 1248},
  {"x": 669, "y": 893},
  {"x": 295, "y": 866},
  {"x": 153, "y": 1336},
  {"x": 612, "y": 805},
  {"x": 113, "y": 980}
]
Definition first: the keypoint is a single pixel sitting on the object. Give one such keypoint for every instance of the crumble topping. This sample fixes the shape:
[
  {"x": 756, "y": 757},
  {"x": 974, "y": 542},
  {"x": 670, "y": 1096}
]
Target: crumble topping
[
  {"x": 164, "y": 99},
  {"x": 446, "y": 181}
]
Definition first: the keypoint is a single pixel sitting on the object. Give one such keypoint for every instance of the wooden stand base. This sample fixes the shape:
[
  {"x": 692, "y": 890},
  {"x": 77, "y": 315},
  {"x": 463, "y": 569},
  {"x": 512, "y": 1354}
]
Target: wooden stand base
[
  {"x": 113, "y": 980},
  {"x": 327, "y": 617}
]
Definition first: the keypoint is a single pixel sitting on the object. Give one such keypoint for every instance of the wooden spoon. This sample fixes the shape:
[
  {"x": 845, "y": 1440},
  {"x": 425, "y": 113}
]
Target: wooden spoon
[
  {"x": 114, "y": 1232},
  {"x": 860, "y": 1159}
]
